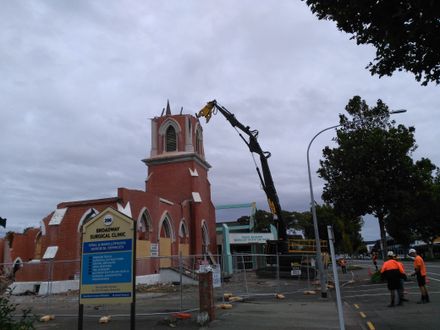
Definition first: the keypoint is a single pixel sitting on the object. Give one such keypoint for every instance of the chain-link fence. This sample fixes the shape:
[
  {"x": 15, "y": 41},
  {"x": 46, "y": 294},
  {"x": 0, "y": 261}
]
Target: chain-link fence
[{"x": 164, "y": 285}]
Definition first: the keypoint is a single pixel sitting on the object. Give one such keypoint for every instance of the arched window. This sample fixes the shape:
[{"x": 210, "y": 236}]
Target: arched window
[
  {"x": 165, "y": 231},
  {"x": 87, "y": 215},
  {"x": 18, "y": 263},
  {"x": 170, "y": 139},
  {"x": 144, "y": 226},
  {"x": 205, "y": 237},
  {"x": 183, "y": 232},
  {"x": 199, "y": 141}
]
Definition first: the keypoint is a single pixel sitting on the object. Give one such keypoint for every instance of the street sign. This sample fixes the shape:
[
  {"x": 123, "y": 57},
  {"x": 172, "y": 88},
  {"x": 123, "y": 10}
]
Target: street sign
[
  {"x": 107, "y": 267},
  {"x": 248, "y": 238}
]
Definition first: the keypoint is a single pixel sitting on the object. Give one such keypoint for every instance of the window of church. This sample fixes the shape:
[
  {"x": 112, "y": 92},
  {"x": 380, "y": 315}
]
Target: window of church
[
  {"x": 170, "y": 139},
  {"x": 199, "y": 141},
  {"x": 166, "y": 228},
  {"x": 144, "y": 227}
]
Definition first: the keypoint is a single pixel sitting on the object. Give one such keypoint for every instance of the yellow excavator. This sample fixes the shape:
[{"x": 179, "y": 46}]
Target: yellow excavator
[{"x": 293, "y": 249}]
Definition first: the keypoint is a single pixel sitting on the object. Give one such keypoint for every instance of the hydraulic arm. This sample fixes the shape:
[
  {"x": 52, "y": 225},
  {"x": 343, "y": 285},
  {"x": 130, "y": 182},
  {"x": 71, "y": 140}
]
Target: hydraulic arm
[{"x": 264, "y": 174}]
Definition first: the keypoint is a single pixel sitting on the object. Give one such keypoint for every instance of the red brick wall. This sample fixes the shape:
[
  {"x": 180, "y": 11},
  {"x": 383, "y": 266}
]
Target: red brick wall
[
  {"x": 171, "y": 181},
  {"x": 23, "y": 245}
]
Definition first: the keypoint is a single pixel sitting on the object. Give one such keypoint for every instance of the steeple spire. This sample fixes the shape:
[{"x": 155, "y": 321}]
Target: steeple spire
[{"x": 168, "y": 112}]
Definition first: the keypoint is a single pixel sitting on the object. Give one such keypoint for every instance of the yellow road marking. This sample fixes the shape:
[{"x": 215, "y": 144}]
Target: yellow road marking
[
  {"x": 370, "y": 325},
  {"x": 363, "y": 314},
  {"x": 356, "y": 306}
]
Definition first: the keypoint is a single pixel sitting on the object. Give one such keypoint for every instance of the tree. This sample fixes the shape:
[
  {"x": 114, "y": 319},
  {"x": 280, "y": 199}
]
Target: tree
[
  {"x": 425, "y": 221},
  {"x": 347, "y": 230},
  {"x": 371, "y": 166},
  {"x": 405, "y": 33},
  {"x": 416, "y": 215}
]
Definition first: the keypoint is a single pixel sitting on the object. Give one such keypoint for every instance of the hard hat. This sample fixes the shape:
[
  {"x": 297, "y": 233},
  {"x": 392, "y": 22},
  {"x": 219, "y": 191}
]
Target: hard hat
[
  {"x": 411, "y": 251},
  {"x": 390, "y": 254}
]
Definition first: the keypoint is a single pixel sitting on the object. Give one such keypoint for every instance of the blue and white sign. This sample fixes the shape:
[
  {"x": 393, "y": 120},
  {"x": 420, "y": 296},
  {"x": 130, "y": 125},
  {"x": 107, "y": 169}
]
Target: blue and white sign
[{"x": 107, "y": 259}]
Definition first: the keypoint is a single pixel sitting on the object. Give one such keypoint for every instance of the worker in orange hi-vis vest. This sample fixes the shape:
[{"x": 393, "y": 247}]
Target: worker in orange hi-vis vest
[
  {"x": 393, "y": 272},
  {"x": 420, "y": 273}
]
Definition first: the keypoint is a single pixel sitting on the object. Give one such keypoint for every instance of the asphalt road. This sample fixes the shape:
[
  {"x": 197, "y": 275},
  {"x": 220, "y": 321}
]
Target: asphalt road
[
  {"x": 370, "y": 300},
  {"x": 365, "y": 306}
]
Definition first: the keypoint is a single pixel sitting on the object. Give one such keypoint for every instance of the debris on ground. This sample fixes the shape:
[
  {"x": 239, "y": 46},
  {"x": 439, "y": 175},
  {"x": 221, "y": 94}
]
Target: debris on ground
[
  {"x": 182, "y": 316},
  {"x": 309, "y": 292},
  {"x": 105, "y": 319},
  {"x": 157, "y": 288},
  {"x": 47, "y": 318},
  {"x": 224, "y": 306},
  {"x": 280, "y": 296},
  {"x": 227, "y": 295},
  {"x": 202, "y": 318},
  {"x": 234, "y": 299}
]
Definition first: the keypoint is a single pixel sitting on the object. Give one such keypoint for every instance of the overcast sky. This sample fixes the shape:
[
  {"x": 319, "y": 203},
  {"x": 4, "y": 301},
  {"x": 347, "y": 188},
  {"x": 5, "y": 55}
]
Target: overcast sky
[{"x": 80, "y": 80}]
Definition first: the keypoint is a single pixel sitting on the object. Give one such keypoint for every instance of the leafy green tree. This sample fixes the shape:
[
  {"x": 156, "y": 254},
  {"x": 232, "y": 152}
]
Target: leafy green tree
[
  {"x": 413, "y": 217},
  {"x": 371, "y": 166},
  {"x": 424, "y": 217},
  {"x": 347, "y": 230},
  {"x": 405, "y": 33}
]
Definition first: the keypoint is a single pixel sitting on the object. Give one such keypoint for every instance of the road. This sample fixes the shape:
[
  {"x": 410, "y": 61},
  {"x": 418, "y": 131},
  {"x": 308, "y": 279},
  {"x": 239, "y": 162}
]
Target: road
[
  {"x": 370, "y": 300},
  {"x": 364, "y": 306}
]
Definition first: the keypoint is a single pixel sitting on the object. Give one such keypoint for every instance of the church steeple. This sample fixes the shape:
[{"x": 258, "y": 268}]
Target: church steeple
[{"x": 168, "y": 111}]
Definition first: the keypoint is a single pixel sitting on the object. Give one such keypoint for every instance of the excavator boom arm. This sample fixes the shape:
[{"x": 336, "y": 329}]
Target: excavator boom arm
[{"x": 265, "y": 175}]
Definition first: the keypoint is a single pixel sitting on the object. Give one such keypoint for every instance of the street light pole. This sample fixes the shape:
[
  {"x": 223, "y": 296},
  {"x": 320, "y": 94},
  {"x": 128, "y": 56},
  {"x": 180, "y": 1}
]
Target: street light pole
[{"x": 322, "y": 279}]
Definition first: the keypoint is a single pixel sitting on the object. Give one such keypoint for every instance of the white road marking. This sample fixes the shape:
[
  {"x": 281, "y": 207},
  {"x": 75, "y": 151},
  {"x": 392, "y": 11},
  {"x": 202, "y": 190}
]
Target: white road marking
[{"x": 385, "y": 293}]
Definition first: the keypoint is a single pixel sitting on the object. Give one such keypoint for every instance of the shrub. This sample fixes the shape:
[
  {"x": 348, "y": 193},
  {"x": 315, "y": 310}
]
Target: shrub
[{"x": 7, "y": 319}]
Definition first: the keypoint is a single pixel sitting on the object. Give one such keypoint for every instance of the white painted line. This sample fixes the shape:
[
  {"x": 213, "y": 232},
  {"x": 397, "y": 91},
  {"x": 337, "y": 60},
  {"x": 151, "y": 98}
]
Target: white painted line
[{"x": 384, "y": 294}]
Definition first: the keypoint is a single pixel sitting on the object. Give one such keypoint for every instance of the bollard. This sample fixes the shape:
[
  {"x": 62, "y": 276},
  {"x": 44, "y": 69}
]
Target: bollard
[{"x": 206, "y": 294}]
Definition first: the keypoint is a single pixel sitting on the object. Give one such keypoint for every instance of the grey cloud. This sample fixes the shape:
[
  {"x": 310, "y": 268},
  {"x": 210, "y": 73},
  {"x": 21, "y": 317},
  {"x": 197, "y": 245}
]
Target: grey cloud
[{"x": 81, "y": 79}]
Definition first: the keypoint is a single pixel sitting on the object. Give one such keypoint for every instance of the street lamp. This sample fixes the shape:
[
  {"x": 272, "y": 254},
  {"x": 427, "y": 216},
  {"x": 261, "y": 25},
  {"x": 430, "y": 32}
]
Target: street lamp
[{"x": 315, "y": 220}]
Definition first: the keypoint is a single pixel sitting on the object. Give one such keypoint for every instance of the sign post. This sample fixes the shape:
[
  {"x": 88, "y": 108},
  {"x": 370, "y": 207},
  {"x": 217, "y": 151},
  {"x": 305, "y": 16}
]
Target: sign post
[{"x": 108, "y": 260}]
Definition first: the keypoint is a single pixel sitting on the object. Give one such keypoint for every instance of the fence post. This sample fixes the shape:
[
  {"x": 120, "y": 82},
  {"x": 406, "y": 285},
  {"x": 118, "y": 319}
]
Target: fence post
[
  {"x": 278, "y": 272},
  {"x": 181, "y": 279},
  {"x": 222, "y": 280},
  {"x": 245, "y": 277},
  {"x": 48, "y": 284}
]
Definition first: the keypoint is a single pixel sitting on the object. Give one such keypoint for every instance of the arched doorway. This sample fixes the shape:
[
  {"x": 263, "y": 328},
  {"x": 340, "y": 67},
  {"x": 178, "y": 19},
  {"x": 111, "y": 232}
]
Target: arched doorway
[{"x": 166, "y": 236}]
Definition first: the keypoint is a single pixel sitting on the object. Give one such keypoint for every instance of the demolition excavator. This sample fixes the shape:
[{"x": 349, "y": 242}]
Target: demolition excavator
[
  {"x": 293, "y": 250},
  {"x": 211, "y": 108}
]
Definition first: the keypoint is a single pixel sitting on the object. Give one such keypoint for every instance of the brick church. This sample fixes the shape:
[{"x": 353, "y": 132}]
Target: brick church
[{"x": 174, "y": 214}]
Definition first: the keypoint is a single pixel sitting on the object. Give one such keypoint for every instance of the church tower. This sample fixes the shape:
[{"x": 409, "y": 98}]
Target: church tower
[{"x": 178, "y": 174}]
